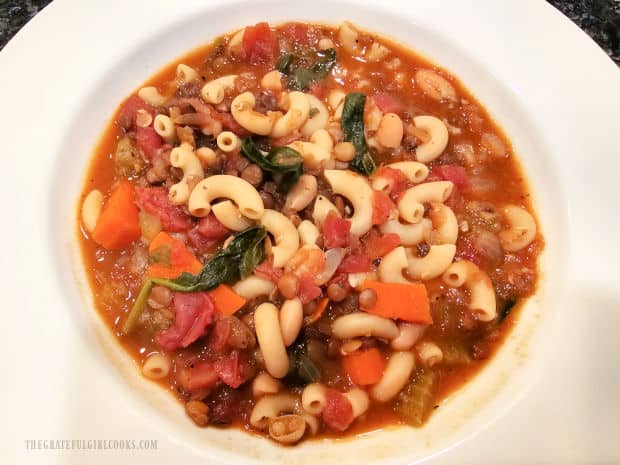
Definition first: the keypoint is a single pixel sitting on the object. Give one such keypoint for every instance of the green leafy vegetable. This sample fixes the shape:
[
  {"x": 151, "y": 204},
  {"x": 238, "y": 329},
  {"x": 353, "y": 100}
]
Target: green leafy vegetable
[
  {"x": 301, "y": 366},
  {"x": 236, "y": 261},
  {"x": 304, "y": 69},
  {"x": 416, "y": 400},
  {"x": 283, "y": 161},
  {"x": 352, "y": 122}
]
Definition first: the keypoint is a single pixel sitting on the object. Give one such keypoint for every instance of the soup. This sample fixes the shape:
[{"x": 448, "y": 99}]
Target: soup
[{"x": 307, "y": 231}]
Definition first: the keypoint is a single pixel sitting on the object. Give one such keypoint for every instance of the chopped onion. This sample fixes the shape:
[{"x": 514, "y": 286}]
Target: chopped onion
[{"x": 333, "y": 258}]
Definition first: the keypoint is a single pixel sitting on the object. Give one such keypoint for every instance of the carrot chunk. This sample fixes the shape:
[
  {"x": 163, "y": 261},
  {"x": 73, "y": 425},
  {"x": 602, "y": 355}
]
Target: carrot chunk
[
  {"x": 227, "y": 301},
  {"x": 401, "y": 301},
  {"x": 364, "y": 367},
  {"x": 118, "y": 225},
  {"x": 170, "y": 258}
]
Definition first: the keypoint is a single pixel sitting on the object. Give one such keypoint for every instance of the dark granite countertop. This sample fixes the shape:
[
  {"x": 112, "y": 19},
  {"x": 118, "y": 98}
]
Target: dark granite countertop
[{"x": 599, "y": 18}]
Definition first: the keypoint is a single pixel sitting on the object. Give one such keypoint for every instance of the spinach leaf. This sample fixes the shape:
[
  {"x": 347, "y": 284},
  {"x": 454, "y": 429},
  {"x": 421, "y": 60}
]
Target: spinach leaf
[
  {"x": 301, "y": 366},
  {"x": 298, "y": 71},
  {"x": 283, "y": 161},
  {"x": 352, "y": 122},
  {"x": 236, "y": 261}
]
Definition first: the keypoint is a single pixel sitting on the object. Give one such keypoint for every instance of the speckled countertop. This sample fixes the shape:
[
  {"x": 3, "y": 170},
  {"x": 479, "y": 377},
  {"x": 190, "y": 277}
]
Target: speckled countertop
[{"x": 599, "y": 18}]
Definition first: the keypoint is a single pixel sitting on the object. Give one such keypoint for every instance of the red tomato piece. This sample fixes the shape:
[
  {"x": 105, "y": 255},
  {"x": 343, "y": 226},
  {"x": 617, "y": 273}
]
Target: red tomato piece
[
  {"x": 398, "y": 181},
  {"x": 454, "y": 173},
  {"x": 387, "y": 103},
  {"x": 357, "y": 263},
  {"x": 297, "y": 33},
  {"x": 338, "y": 411},
  {"x": 336, "y": 232},
  {"x": 130, "y": 108},
  {"x": 377, "y": 245},
  {"x": 234, "y": 369},
  {"x": 193, "y": 313},
  {"x": 260, "y": 44},
  {"x": 211, "y": 228},
  {"x": 268, "y": 271},
  {"x": 381, "y": 207},
  {"x": 148, "y": 141},
  {"x": 307, "y": 290},
  {"x": 201, "y": 243},
  {"x": 155, "y": 201},
  {"x": 197, "y": 375}
]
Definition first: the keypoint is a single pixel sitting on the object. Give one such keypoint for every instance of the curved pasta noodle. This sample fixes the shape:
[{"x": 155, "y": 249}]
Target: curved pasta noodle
[
  {"x": 316, "y": 121},
  {"x": 410, "y": 234},
  {"x": 313, "y": 398},
  {"x": 242, "y": 110},
  {"x": 163, "y": 125},
  {"x": 156, "y": 366},
  {"x": 214, "y": 91},
  {"x": 316, "y": 152},
  {"x": 522, "y": 230},
  {"x": 396, "y": 374},
  {"x": 356, "y": 189},
  {"x": 229, "y": 215},
  {"x": 437, "y": 138},
  {"x": 183, "y": 157},
  {"x": 445, "y": 224},
  {"x": 482, "y": 302},
  {"x": 245, "y": 196},
  {"x": 285, "y": 236},
  {"x": 269, "y": 336},
  {"x": 433, "y": 264},
  {"x": 411, "y": 203},
  {"x": 253, "y": 286},
  {"x": 414, "y": 171},
  {"x": 269, "y": 407},
  {"x": 392, "y": 266},
  {"x": 151, "y": 96},
  {"x": 186, "y": 73},
  {"x": 408, "y": 335},
  {"x": 363, "y": 324},
  {"x": 359, "y": 401},
  {"x": 429, "y": 353},
  {"x": 308, "y": 233},
  {"x": 294, "y": 118},
  {"x": 348, "y": 37},
  {"x": 228, "y": 141},
  {"x": 301, "y": 194},
  {"x": 264, "y": 384},
  {"x": 323, "y": 207}
]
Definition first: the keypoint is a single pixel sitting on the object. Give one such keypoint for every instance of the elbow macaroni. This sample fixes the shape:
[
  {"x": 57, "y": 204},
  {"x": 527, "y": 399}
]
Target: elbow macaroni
[
  {"x": 241, "y": 192},
  {"x": 284, "y": 234},
  {"x": 214, "y": 91},
  {"x": 411, "y": 204},
  {"x": 183, "y": 157},
  {"x": 522, "y": 230},
  {"x": 356, "y": 189},
  {"x": 229, "y": 215},
  {"x": 437, "y": 141},
  {"x": 392, "y": 266},
  {"x": 396, "y": 374},
  {"x": 481, "y": 293},
  {"x": 295, "y": 117},
  {"x": 433, "y": 264},
  {"x": 242, "y": 110}
]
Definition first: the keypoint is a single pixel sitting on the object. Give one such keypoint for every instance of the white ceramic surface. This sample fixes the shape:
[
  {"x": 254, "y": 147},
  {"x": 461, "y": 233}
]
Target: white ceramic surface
[{"x": 551, "y": 393}]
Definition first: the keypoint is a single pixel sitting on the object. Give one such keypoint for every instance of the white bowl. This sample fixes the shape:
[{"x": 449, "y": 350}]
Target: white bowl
[{"x": 111, "y": 67}]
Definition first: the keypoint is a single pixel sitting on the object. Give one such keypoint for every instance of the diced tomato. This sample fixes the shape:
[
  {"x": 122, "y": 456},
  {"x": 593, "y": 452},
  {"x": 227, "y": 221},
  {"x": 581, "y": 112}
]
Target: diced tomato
[
  {"x": 266, "y": 270},
  {"x": 297, "y": 33},
  {"x": 197, "y": 375},
  {"x": 285, "y": 140},
  {"x": 229, "y": 123},
  {"x": 148, "y": 141},
  {"x": 454, "y": 173},
  {"x": 307, "y": 290},
  {"x": 357, "y": 263},
  {"x": 398, "y": 180},
  {"x": 193, "y": 313},
  {"x": 387, "y": 103},
  {"x": 382, "y": 206},
  {"x": 377, "y": 245},
  {"x": 201, "y": 243},
  {"x": 234, "y": 369},
  {"x": 260, "y": 44},
  {"x": 130, "y": 108},
  {"x": 211, "y": 228},
  {"x": 336, "y": 231},
  {"x": 155, "y": 201},
  {"x": 338, "y": 411}
]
